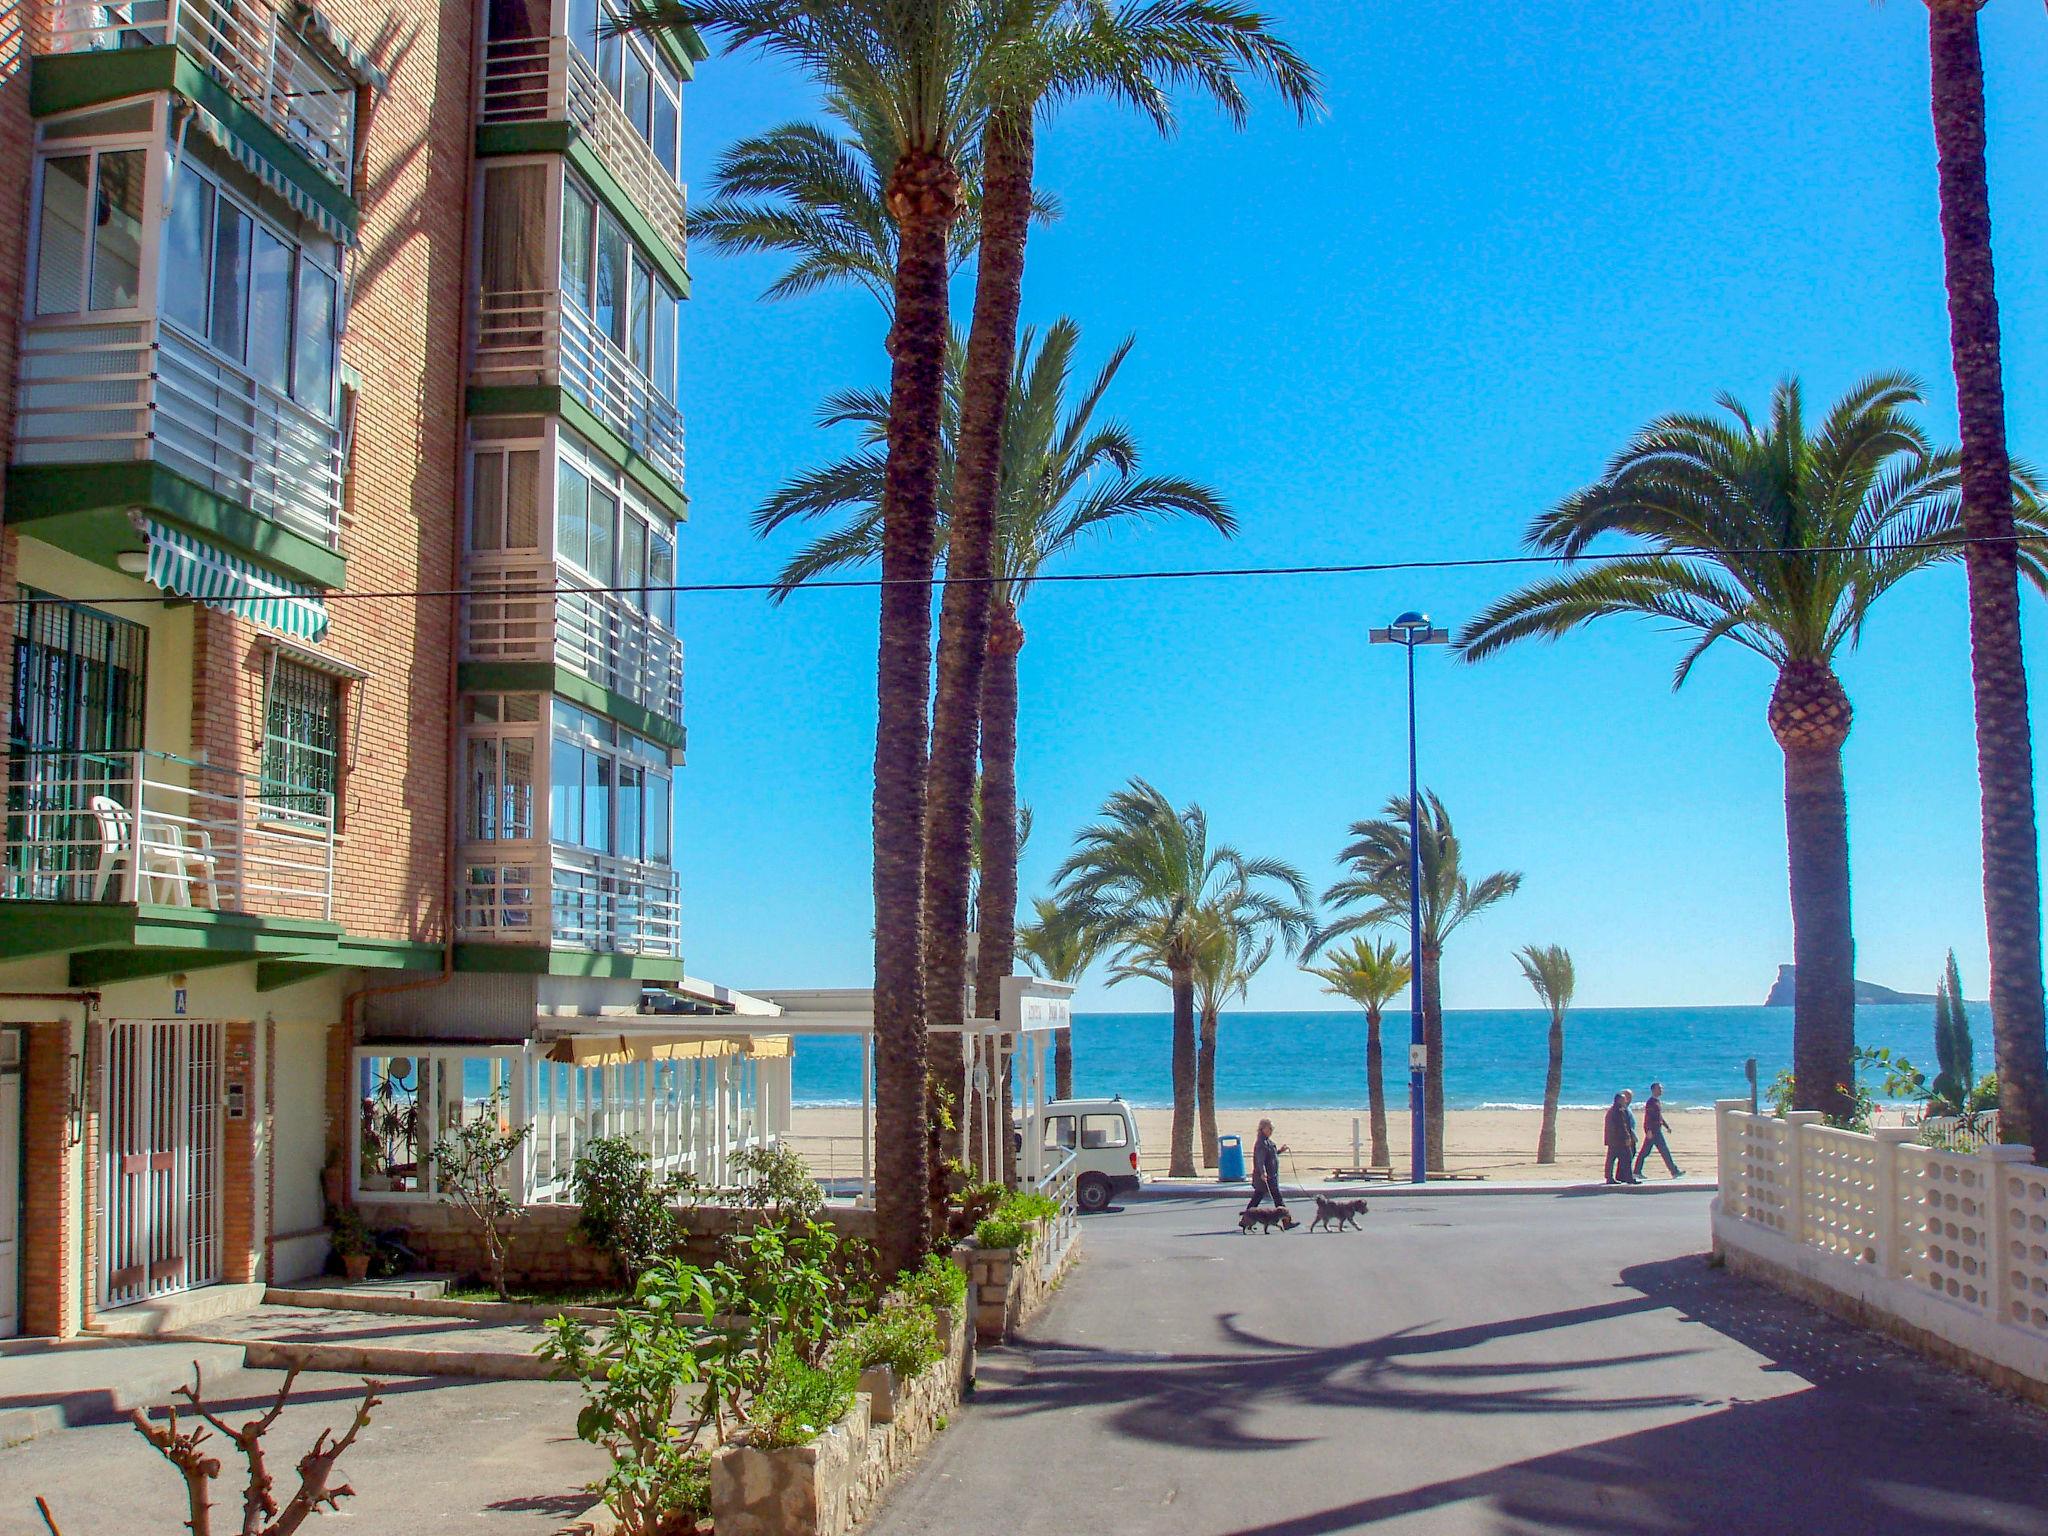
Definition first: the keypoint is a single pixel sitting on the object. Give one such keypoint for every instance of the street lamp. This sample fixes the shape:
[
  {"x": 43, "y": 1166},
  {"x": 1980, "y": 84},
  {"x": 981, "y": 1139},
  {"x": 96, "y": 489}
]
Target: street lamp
[{"x": 1411, "y": 630}]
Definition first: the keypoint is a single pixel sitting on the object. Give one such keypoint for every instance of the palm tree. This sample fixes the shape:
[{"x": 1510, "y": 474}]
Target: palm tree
[
  {"x": 1371, "y": 973},
  {"x": 1378, "y": 882},
  {"x": 2005, "y": 752},
  {"x": 1067, "y": 476},
  {"x": 1143, "y": 879},
  {"x": 912, "y": 76},
  {"x": 1549, "y": 969},
  {"x": 1780, "y": 540},
  {"x": 1051, "y": 52},
  {"x": 1058, "y": 949}
]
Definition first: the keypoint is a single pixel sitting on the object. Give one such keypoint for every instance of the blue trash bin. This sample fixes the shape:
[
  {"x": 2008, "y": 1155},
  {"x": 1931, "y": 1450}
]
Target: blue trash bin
[{"x": 1229, "y": 1160}]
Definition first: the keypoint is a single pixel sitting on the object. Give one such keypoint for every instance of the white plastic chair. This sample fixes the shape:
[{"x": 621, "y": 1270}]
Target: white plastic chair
[
  {"x": 116, "y": 843},
  {"x": 184, "y": 858}
]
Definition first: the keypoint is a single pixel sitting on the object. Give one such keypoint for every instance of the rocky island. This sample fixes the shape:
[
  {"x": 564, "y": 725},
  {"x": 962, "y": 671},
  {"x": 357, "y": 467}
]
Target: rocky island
[{"x": 1866, "y": 992}]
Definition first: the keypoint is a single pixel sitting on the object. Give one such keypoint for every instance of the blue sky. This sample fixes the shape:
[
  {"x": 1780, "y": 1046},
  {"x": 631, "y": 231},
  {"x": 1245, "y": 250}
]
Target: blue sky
[{"x": 1521, "y": 232}]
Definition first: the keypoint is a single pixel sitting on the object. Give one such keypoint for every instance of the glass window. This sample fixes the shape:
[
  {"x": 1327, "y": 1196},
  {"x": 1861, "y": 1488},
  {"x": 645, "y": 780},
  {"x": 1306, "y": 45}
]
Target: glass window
[
  {"x": 583, "y": 27},
  {"x": 662, "y": 367},
  {"x": 577, "y": 213},
  {"x": 667, "y": 128},
  {"x": 229, "y": 316},
  {"x": 60, "y": 241},
  {"x": 604, "y": 518},
  {"x": 1059, "y": 1131},
  {"x": 188, "y": 250},
  {"x": 640, "y": 318},
  {"x": 629, "y": 843},
  {"x": 270, "y": 310},
  {"x": 313, "y": 363},
  {"x": 637, "y": 97},
  {"x": 572, "y": 516},
  {"x": 633, "y": 562},
  {"x": 608, "y": 285},
  {"x": 661, "y": 575},
  {"x": 657, "y": 818},
  {"x": 301, "y": 741},
  {"x": 117, "y": 229},
  {"x": 565, "y": 789},
  {"x": 487, "y": 500},
  {"x": 522, "y": 499},
  {"x": 597, "y": 800},
  {"x": 1103, "y": 1131}
]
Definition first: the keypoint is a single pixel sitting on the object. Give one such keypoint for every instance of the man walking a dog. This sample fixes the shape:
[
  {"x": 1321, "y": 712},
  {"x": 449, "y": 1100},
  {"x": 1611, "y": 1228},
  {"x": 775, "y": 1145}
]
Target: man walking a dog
[{"x": 1266, "y": 1169}]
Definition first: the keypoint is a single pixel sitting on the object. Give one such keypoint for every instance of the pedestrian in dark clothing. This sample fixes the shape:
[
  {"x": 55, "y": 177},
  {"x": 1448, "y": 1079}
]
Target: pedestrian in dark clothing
[
  {"x": 1654, "y": 1136},
  {"x": 1266, "y": 1169},
  {"x": 1621, "y": 1141}
]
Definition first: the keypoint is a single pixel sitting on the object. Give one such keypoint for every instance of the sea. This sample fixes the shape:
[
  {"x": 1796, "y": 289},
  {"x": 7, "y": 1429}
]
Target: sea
[{"x": 1493, "y": 1058}]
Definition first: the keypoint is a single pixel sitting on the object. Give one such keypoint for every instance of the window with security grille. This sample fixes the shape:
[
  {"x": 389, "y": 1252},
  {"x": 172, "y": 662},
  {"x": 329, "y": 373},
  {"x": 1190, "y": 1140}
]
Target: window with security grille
[{"x": 301, "y": 742}]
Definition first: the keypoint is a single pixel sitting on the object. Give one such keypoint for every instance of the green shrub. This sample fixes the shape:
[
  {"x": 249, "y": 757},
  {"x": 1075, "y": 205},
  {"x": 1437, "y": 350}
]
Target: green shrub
[
  {"x": 1028, "y": 1205},
  {"x": 1002, "y": 1232},
  {"x": 797, "y": 1400},
  {"x": 903, "y": 1335},
  {"x": 625, "y": 1212},
  {"x": 775, "y": 1179},
  {"x": 1010, "y": 1225},
  {"x": 936, "y": 1283},
  {"x": 1984, "y": 1096}
]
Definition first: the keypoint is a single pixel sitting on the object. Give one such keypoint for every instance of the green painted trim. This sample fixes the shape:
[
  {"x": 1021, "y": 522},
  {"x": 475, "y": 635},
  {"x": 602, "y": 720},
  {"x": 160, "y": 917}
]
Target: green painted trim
[
  {"x": 553, "y": 400},
  {"x": 565, "y": 139},
  {"x": 685, "y": 47},
  {"x": 84, "y": 508},
  {"x": 271, "y": 975},
  {"x": 390, "y": 954},
  {"x": 533, "y": 960},
  {"x": 29, "y": 929},
  {"x": 545, "y": 677},
  {"x": 63, "y": 82},
  {"x": 104, "y": 967}
]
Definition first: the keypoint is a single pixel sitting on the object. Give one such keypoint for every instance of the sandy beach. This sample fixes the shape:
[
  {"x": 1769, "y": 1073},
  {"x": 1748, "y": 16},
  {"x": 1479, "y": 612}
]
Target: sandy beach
[{"x": 1492, "y": 1143}]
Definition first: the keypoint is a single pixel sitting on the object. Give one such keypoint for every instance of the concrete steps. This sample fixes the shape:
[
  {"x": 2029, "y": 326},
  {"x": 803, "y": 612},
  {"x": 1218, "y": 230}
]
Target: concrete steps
[{"x": 379, "y": 1343}]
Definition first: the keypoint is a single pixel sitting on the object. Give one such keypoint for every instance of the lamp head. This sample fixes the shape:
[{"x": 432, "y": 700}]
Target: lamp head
[{"x": 1412, "y": 620}]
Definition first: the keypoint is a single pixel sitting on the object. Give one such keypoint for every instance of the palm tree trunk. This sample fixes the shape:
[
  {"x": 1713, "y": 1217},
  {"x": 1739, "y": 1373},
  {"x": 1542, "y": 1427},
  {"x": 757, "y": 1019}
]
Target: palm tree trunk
[
  {"x": 1063, "y": 1064},
  {"x": 2005, "y": 755},
  {"x": 995, "y": 954},
  {"x": 1433, "y": 1070},
  {"x": 970, "y": 561},
  {"x": 1376, "y": 1091},
  {"x": 1823, "y": 944},
  {"x": 924, "y": 197},
  {"x": 1553, "y": 1087},
  {"x": 1181, "y": 1161},
  {"x": 1205, "y": 1085}
]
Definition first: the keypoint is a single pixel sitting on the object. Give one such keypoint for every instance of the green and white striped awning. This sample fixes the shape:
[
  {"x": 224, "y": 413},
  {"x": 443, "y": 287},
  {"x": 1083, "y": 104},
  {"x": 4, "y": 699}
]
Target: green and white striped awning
[
  {"x": 189, "y": 566},
  {"x": 255, "y": 162}
]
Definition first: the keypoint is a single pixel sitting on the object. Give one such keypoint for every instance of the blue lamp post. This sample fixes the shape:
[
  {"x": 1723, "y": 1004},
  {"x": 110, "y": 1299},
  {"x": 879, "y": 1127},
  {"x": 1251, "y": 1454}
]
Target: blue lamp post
[{"x": 1409, "y": 631}]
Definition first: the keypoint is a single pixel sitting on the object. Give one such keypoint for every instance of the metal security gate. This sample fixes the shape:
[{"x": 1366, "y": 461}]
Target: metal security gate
[{"x": 160, "y": 1134}]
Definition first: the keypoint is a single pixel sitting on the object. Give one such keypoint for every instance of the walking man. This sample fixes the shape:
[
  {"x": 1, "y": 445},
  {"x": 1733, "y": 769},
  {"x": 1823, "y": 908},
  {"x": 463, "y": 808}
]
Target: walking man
[
  {"x": 1266, "y": 1169},
  {"x": 1653, "y": 1135}
]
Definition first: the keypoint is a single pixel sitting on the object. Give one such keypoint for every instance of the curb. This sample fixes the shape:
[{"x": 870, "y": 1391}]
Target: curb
[{"x": 393, "y": 1360}]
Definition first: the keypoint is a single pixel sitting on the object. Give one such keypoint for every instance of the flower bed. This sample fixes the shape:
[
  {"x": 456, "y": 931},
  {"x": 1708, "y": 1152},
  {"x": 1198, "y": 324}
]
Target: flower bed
[{"x": 1007, "y": 1286}]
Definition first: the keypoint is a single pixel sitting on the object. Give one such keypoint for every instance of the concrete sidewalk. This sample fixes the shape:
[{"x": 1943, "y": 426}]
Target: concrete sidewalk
[
  {"x": 379, "y": 1343},
  {"x": 45, "y": 1386}
]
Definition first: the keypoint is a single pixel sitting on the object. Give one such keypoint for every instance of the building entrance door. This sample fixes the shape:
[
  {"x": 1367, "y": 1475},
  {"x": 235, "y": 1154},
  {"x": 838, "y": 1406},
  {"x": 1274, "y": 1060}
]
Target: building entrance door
[{"x": 160, "y": 1158}]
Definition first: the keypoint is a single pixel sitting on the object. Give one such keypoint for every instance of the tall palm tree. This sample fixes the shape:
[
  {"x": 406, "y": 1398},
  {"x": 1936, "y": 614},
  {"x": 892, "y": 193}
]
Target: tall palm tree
[
  {"x": 2005, "y": 752},
  {"x": 1780, "y": 540},
  {"x": 1142, "y": 878},
  {"x": 1059, "y": 949},
  {"x": 1067, "y": 476},
  {"x": 1379, "y": 885},
  {"x": 1051, "y": 52},
  {"x": 1549, "y": 969},
  {"x": 913, "y": 77},
  {"x": 1371, "y": 973}
]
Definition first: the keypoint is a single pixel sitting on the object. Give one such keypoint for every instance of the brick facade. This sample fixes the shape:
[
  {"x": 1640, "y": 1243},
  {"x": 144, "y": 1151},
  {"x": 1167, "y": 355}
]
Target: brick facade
[
  {"x": 240, "y": 1176},
  {"x": 50, "y": 1303}
]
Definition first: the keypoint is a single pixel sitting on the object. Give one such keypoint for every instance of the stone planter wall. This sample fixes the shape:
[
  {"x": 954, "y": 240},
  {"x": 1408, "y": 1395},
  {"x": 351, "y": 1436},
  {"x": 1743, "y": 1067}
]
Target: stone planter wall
[
  {"x": 1007, "y": 1286},
  {"x": 830, "y": 1485},
  {"x": 543, "y": 1253}
]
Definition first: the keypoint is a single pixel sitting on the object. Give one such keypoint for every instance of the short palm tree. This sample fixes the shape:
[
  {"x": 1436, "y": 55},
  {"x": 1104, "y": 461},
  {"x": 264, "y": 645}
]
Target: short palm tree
[
  {"x": 1779, "y": 539},
  {"x": 1144, "y": 879},
  {"x": 1378, "y": 890},
  {"x": 1549, "y": 969},
  {"x": 1059, "y": 949},
  {"x": 1371, "y": 973},
  {"x": 2005, "y": 748},
  {"x": 913, "y": 77}
]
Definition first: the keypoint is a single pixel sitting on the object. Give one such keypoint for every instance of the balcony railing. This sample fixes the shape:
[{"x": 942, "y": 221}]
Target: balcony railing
[
  {"x": 537, "y": 336},
  {"x": 146, "y": 827},
  {"x": 509, "y": 614},
  {"x": 547, "y": 80},
  {"x": 593, "y": 901},
  {"x": 247, "y": 49},
  {"x": 94, "y": 394}
]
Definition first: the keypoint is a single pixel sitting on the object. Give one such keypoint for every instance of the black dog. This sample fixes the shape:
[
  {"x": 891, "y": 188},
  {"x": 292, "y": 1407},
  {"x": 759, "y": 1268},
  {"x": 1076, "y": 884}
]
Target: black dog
[
  {"x": 1339, "y": 1214},
  {"x": 1266, "y": 1220}
]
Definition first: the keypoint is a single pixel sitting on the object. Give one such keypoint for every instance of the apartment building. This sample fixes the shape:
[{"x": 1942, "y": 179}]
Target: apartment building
[{"x": 306, "y": 312}]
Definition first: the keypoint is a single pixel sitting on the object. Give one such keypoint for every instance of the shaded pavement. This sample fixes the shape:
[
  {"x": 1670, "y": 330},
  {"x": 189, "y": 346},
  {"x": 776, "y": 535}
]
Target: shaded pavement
[{"x": 1506, "y": 1364}]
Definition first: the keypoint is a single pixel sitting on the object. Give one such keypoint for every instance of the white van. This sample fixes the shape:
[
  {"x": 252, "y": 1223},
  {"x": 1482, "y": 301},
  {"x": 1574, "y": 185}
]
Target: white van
[{"x": 1103, "y": 1133}]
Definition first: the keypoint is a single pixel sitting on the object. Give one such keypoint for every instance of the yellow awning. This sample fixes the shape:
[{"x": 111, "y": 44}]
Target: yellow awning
[{"x": 618, "y": 1050}]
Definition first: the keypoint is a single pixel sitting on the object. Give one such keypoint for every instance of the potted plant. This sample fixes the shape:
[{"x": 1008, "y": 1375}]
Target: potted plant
[{"x": 353, "y": 1243}]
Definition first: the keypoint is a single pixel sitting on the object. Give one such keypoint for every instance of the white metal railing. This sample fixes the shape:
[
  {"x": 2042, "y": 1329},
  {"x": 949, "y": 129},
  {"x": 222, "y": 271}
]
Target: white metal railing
[
  {"x": 1953, "y": 1243},
  {"x": 544, "y": 612},
  {"x": 536, "y": 334},
  {"x": 1057, "y": 1185},
  {"x": 147, "y": 827},
  {"x": 247, "y": 49},
  {"x": 547, "y": 79},
  {"x": 587, "y": 900},
  {"x": 91, "y": 394}
]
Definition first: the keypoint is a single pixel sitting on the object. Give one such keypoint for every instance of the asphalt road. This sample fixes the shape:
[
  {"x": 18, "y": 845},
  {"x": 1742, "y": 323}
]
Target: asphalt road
[{"x": 1470, "y": 1365}]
